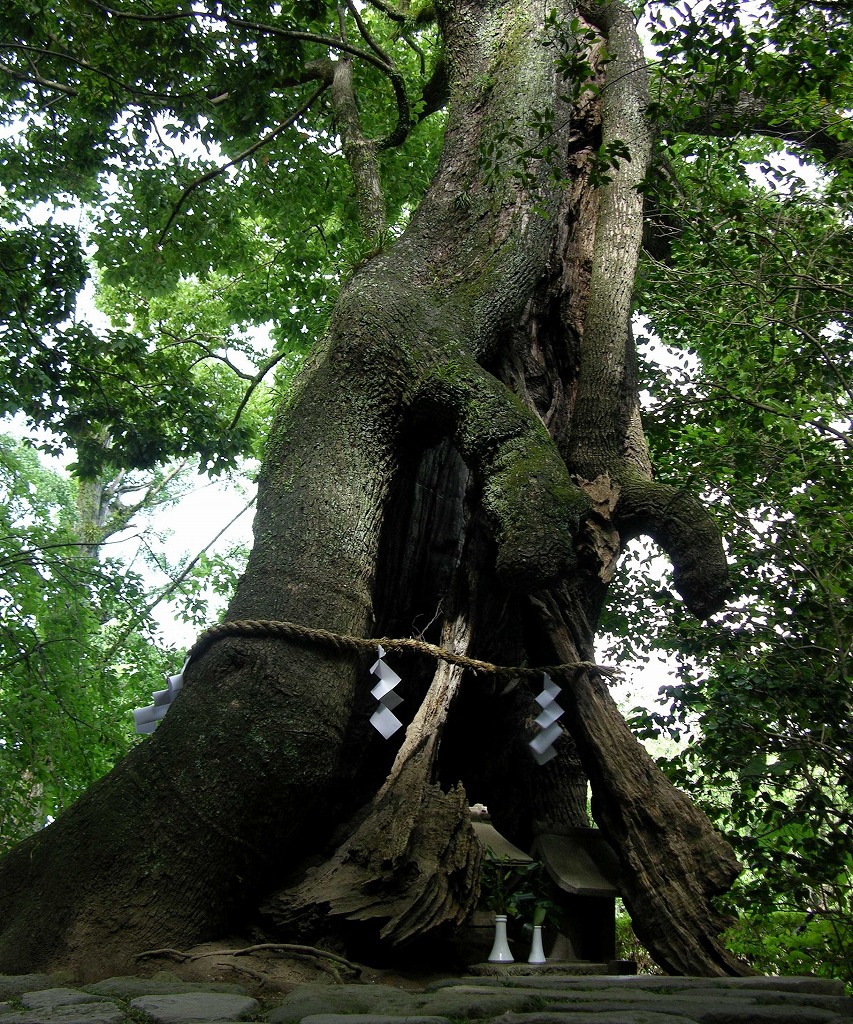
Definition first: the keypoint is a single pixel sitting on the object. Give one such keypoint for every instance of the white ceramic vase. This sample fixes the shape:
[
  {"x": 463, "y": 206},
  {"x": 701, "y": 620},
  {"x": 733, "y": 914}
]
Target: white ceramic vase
[
  {"x": 500, "y": 953},
  {"x": 537, "y": 953}
]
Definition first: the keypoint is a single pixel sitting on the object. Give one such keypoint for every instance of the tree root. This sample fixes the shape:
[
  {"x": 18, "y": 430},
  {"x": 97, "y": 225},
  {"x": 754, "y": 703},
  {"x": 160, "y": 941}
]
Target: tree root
[
  {"x": 249, "y": 973},
  {"x": 297, "y": 952}
]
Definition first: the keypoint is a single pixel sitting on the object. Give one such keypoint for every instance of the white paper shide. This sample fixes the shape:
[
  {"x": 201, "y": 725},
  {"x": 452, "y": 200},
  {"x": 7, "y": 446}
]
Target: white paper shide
[
  {"x": 383, "y": 718},
  {"x": 147, "y": 719},
  {"x": 550, "y": 730}
]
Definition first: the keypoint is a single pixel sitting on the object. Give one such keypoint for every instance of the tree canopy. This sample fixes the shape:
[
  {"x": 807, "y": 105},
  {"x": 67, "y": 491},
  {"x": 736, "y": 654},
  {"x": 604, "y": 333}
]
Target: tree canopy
[{"x": 223, "y": 172}]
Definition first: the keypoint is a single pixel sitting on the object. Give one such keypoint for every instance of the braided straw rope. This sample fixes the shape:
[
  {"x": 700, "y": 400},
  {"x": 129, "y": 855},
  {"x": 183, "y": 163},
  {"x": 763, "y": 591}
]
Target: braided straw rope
[{"x": 343, "y": 642}]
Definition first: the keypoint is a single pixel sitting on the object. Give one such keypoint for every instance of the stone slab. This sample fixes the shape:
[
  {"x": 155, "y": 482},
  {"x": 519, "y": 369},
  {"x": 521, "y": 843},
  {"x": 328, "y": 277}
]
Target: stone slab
[
  {"x": 522, "y": 969},
  {"x": 665, "y": 983},
  {"x": 477, "y": 1003},
  {"x": 602, "y": 999},
  {"x": 196, "y": 1006},
  {"x": 12, "y": 985},
  {"x": 370, "y": 1018},
  {"x": 838, "y": 1004},
  {"x": 50, "y": 998},
  {"x": 82, "y": 1013},
  {"x": 565, "y": 1000},
  {"x": 721, "y": 1011},
  {"x": 631, "y": 1016},
  {"x": 314, "y": 998},
  {"x": 767, "y": 1015},
  {"x": 130, "y": 987},
  {"x": 794, "y": 983}
]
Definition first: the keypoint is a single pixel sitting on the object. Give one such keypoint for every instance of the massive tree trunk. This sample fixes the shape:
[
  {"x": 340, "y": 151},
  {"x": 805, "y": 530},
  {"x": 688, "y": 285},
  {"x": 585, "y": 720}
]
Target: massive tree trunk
[{"x": 462, "y": 459}]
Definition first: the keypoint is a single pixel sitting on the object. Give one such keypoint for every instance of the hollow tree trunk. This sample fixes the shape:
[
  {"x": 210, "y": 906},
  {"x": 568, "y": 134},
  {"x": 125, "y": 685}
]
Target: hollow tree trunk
[{"x": 471, "y": 415}]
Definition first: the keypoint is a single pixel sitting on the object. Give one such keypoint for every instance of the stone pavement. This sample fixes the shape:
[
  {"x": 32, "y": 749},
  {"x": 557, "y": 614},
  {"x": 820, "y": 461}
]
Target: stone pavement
[{"x": 547, "y": 999}]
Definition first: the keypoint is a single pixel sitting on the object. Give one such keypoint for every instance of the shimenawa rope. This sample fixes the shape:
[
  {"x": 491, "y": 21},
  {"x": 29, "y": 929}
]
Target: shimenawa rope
[{"x": 344, "y": 642}]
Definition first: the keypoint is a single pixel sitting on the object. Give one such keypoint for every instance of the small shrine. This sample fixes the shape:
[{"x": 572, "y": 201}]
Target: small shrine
[
  {"x": 583, "y": 867},
  {"x": 582, "y": 872}
]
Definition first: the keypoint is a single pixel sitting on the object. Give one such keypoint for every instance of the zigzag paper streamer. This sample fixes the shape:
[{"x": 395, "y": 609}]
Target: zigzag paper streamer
[
  {"x": 383, "y": 718},
  {"x": 147, "y": 719},
  {"x": 542, "y": 743}
]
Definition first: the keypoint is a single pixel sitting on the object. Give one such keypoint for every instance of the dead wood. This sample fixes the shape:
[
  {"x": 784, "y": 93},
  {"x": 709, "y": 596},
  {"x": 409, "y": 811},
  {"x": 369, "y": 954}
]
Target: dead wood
[{"x": 414, "y": 859}]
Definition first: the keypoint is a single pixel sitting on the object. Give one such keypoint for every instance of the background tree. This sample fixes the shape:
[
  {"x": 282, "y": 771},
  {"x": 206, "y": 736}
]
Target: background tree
[
  {"x": 80, "y": 638},
  {"x": 66, "y": 692},
  {"x": 462, "y": 449},
  {"x": 763, "y": 695}
]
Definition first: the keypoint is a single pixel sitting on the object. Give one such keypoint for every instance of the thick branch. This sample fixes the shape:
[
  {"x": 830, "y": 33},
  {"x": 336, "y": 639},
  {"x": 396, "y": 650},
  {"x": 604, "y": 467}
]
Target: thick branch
[
  {"x": 607, "y": 439},
  {"x": 436, "y": 92},
  {"x": 722, "y": 117},
  {"x": 682, "y": 526},
  {"x": 533, "y": 507},
  {"x": 398, "y": 134},
  {"x": 359, "y": 152},
  {"x": 598, "y": 432},
  {"x": 390, "y": 12}
]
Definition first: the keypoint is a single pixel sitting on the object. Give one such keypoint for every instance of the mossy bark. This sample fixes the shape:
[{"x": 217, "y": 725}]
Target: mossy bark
[{"x": 471, "y": 415}]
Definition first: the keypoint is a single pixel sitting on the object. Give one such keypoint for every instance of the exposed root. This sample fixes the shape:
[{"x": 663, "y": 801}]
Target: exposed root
[
  {"x": 323, "y": 957},
  {"x": 248, "y": 972}
]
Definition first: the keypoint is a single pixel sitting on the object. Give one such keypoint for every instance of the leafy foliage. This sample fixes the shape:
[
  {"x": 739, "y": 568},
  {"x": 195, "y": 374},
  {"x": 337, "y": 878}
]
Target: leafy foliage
[
  {"x": 172, "y": 160},
  {"x": 753, "y": 398},
  {"x": 180, "y": 133},
  {"x": 508, "y": 888},
  {"x": 819, "y": 943},
  {"x": 65, "y": 691}
]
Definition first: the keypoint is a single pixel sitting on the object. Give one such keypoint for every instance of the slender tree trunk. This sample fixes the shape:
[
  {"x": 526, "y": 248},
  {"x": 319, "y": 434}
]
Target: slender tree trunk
[{"x": 468, "y": 425}]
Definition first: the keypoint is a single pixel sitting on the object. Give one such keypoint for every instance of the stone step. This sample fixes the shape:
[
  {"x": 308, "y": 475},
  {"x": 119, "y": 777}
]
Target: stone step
[{"x": 533, "y": 997}]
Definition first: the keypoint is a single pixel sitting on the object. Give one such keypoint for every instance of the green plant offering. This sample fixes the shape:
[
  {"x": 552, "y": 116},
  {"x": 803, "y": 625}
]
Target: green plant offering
[{"x": 506, "y": 888}]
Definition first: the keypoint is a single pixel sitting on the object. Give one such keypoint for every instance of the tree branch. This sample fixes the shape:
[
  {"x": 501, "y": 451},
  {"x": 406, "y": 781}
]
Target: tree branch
[
  {"x": 359, "y": 152},
  {"x": 818, "y": 424},
  {"x": 721, "y": 117},
  {"x": 34, "y": 79},
  {"x": 263, "y": 141},
  {"x": 389, "y": 11},
  {"x": 404, "y": 116},
  {"x": 253, "y": 384},
  {"x": 333, "y": 42},
  {"x": 597, "y": 441},
  {"x": 84, "y": 65},
  {"x": 436, "y": 91},
  {"x": 682, "y": 526},
  {"x": 121, "y": 516}
]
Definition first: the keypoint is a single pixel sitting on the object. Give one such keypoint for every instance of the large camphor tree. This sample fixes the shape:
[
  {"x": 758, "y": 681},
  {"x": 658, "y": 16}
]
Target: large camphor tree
[{"x": 460, "y": 458}]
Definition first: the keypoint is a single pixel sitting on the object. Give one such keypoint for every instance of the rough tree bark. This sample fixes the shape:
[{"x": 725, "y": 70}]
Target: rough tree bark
[{"x": 462, "y": 457}]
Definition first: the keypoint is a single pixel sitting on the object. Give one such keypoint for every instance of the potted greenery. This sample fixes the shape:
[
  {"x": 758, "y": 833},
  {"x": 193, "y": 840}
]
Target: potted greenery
[{"x": 505, "y": 887}]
